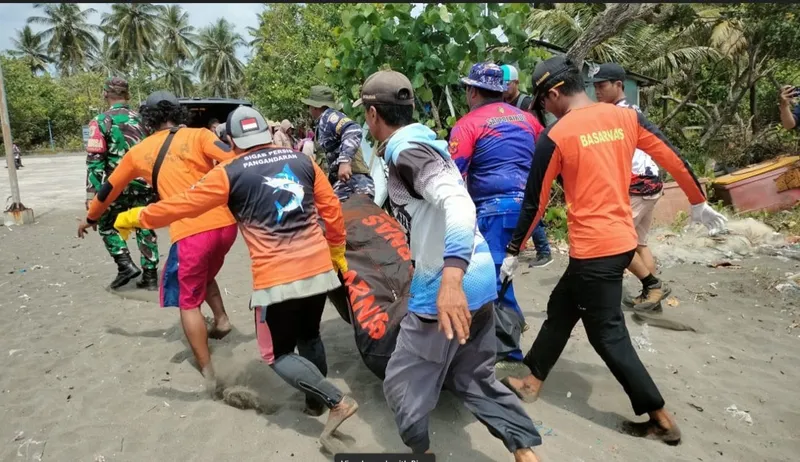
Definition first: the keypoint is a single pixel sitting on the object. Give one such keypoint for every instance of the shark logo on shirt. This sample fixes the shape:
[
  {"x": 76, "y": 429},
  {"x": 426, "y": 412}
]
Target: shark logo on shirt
[{"x": 287, "y": 181}]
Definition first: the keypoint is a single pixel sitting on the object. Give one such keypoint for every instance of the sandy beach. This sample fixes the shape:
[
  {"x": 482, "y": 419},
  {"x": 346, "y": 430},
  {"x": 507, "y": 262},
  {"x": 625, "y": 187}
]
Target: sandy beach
[{"x": 86, "y": 375}]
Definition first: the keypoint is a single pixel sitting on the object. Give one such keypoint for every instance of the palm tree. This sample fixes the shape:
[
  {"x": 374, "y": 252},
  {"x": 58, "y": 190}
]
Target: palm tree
[
  {"x": 217, "y": 64},
  {"x": 29, "y": 46},
  {"x": 103, "y": 59},
  {"x": 172, "y": 76},
  {"x": 638, "y": 43},
  {"x": 136, "y": 30},
  {"x": 258, "y": 37},
  {"x": 178, "y": 37},
  {"x": 69, "y": 35}
]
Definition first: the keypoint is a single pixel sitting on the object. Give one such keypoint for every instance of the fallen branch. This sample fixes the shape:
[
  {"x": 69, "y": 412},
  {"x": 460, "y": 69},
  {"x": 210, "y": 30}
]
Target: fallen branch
[{"x": 685, "y": 103}]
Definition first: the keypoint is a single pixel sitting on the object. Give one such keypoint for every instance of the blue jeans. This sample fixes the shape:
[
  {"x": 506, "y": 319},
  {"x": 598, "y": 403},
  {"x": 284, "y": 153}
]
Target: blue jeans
[
  {"x": 540, "y": 242},
  {"x": 497, "y": 226}
]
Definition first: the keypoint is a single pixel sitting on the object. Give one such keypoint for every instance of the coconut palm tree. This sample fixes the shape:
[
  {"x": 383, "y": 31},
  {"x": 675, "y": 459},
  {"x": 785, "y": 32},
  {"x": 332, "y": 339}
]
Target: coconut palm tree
[
  {"x": 135, "y": 29},
  {"x": 638, "y": 44},
  {"x": 178, "y": 37},
  {"x": 103, "y": 59},
  {"x": 172, "y": 76},
  {"x": 70, "y": 37},
  {"x": 217, "y": 64},
  {"x": 257, "y": 37},
  {"x": 30, "y": 47}
]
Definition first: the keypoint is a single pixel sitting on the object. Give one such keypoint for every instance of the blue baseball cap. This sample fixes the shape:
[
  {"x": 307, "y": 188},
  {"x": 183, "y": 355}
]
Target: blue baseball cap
[{"x": 488, "y": 76}]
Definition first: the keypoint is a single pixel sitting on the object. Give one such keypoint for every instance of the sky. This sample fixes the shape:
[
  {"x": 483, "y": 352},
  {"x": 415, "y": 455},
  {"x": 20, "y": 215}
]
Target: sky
[{"x": 241, "y": 15}]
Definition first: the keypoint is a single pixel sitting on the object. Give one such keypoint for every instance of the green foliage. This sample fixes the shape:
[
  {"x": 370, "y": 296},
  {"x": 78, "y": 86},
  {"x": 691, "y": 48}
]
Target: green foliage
[
  {"x": 291, "y": 39},
  {"x": 68, "y": 33},
  {"x": 31, "y": 47},
  {"x": 680, "y": 222},
  {"x": 134, "y": 30},
  {"x": 555, "y": 221},
  {"x": 434, "y": 50},
  {"x": 217, "y": 65},
  {"x": 786, "y": 221},
  {"x": 33, "y": 100}
]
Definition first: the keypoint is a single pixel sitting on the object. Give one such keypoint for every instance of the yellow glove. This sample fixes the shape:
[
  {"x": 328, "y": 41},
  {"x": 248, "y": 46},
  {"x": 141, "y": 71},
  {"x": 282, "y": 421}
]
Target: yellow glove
[
  {"x": 126, "y": 221},
  {"x": 337, "y": 258}
]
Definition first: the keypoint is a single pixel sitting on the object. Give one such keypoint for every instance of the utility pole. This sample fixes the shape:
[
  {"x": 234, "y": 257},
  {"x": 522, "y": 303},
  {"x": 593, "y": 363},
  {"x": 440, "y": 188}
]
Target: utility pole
[{"x": 16, "y": 213}]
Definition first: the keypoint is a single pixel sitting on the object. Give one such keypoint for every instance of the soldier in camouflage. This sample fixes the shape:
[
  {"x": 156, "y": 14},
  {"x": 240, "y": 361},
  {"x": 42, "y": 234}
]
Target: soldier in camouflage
[
  {"x": 111, "y": 135},
  {"x": 340, "y": 140}
]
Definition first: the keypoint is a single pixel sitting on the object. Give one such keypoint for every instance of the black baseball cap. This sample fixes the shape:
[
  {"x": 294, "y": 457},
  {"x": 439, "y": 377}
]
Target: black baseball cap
[
  {"x": 549, "y": 74},
  {"x": 161, "y": 95},
  {"x": 608, "y": 72},
  {"x": 386, "y": 87}
]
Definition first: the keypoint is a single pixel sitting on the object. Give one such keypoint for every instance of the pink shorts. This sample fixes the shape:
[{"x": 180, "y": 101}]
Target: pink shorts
[{"x": 192, "y": 264}]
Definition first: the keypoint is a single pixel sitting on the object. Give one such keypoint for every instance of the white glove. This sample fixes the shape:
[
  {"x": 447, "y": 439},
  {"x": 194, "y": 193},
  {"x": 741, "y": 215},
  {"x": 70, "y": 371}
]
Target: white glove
[
  {"x": 713, "y": 220},
  {"x": 508, "y": 267}
]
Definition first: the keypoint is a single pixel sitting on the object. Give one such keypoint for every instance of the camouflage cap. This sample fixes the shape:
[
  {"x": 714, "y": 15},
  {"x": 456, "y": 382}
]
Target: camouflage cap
[
  {"x": 320, "y": 96},
  {"x": 488, "y": 76},
  {"x": 116, "y": 85}
]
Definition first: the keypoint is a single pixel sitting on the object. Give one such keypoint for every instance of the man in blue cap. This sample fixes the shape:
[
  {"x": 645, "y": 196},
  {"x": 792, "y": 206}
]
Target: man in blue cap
[{"x": 493, "y": 148}]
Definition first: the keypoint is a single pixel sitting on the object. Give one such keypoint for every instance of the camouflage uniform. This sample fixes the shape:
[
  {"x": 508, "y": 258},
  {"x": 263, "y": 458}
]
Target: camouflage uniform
[
  {"x": 340, "y": 139},
  {"x": 113, "y": 133}
]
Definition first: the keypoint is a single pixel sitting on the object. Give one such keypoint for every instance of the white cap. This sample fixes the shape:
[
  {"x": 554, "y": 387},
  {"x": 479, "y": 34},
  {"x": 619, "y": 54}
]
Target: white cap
[{"x": 509, "y": 73}]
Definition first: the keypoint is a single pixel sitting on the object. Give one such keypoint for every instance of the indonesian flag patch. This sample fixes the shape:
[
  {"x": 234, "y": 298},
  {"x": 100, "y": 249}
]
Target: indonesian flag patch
[{"x": 249, "y": 124}]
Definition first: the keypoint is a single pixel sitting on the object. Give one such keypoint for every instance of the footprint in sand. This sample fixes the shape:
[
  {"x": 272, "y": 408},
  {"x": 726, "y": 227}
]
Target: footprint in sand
[{"x": 244, "y": 398}]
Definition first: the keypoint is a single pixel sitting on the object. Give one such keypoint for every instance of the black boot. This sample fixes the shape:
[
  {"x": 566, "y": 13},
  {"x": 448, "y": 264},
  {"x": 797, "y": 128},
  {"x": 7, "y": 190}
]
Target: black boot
[
  {"x": 149, "y": 280},
  {"x": 126, "y": 270}
]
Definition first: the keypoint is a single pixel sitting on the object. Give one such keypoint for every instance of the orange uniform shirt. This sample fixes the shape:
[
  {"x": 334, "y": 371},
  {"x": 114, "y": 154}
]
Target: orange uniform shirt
[
  {"x": 592, "y": 149},
  {"x": 277, "y": 196},
  {"x": 191, "y": 155}
]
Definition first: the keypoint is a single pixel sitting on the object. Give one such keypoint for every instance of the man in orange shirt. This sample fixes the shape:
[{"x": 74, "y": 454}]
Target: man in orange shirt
[
  {"x": 199, "y": 245},
  {"x": 591, "y": 146},
  {"x": 278, "y": 196}
]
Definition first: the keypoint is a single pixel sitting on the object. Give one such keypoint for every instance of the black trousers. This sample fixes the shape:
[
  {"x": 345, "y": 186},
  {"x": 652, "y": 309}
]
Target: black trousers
[{"x": 591, "y": 290}]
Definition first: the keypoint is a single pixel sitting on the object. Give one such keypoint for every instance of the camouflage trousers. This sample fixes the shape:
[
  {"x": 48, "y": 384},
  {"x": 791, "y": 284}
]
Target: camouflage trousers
[
  {"x": 145, "y": 238},
  {"x": 358, "y": 183}
]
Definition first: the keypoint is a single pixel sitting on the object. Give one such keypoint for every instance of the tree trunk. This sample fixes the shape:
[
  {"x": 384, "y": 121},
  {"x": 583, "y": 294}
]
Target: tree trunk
[
  {"x": 606, "y": 25},
  {"x": 668, "y": 118},
  {"x": 435, "y": 113},
  {"x": 753, "y": 109}
]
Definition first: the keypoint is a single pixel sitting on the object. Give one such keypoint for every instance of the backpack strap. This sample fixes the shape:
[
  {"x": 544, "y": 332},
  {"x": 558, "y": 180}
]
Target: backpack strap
[{"x": 160, "y": 158}]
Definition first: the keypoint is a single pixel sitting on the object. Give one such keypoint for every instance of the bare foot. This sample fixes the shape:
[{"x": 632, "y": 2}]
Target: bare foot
[
  {"x": 526, "y": 389},
  {"x": 218, "y": 329},
  {"x": 525, "y": 455},
  {"x": 213, "y": 386},
  {"x": 338, "y": 414},
  {"x": 653, "y": 429}
]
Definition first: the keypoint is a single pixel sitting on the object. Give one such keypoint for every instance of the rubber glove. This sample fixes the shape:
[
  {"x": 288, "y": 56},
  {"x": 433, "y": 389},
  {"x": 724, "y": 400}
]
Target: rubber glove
[
  {"x": 337, "y": 258},
  {"x": 126, "y": 221},
  {"x": 713, "y": 220},
  {"x": 508, "y": 267}
]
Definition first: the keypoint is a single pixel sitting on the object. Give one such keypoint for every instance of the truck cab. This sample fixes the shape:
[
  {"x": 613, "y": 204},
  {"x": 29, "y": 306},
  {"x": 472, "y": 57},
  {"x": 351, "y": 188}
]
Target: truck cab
[{"x": 202, "y": 110}]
